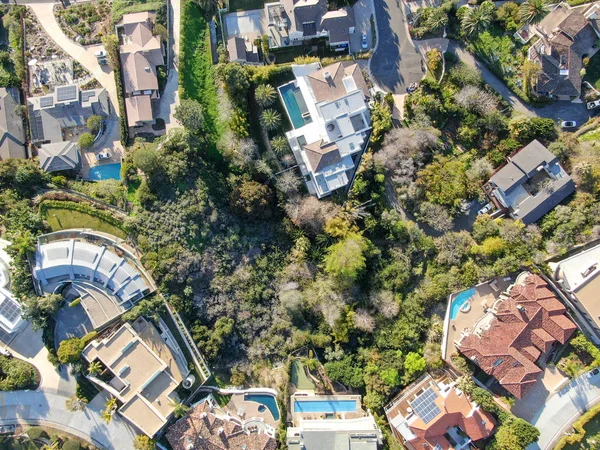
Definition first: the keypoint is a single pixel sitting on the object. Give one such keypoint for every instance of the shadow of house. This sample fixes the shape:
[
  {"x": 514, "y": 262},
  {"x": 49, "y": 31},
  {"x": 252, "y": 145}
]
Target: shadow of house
[{"x": 12, "y": 132}]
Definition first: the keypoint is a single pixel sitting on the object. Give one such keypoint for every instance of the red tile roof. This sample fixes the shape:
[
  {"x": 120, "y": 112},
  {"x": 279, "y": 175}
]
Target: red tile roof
[
  {"x": 200, "y": 429},
  {"x": 525, "y": 326},
  {"x": 456, "y": 411}
]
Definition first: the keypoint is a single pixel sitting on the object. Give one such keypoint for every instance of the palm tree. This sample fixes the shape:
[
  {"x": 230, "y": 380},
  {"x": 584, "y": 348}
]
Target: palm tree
[
  {"x": 280, "y": 145},
  {"x": 478, "y": 18},
  {"x": 179, "y": 409},
  {"x": 209, "y": 6},
  {"x": 74, "y": 403},
  {"x": 95, "y": 368},
  {"x": 532, "y": 11},
  {"x": 265, "y": 95},
  {"x": 438, "y": 20},
  {"x": 270, "y": 119},
  {"x": 107, "y": 415}
]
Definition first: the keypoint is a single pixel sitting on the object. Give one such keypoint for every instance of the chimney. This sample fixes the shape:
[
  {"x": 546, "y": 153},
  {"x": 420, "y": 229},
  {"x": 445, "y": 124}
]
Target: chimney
[
  {"x": 327, "y": 75},
  {"x": 147, "y": 69}
]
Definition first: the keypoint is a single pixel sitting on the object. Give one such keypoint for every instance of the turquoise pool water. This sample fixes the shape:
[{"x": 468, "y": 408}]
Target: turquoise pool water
[
  {"x": 267, "y": 400},
  {"x": 325, "y": 406},
  {"x": 106, "y": 172},
  {"x": 291, "y": 104},
  {"x": 460, "y": 300}
]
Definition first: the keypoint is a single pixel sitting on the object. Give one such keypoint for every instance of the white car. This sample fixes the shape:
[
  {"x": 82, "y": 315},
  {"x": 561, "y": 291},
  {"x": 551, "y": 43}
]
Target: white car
[
  {"x": 485, "y": 210},
  {"x": 568, "y": 124},
  {"x": 594, "y": 104},
  {"x": 365, "y": 43},
  {"x": 100, "y": 53},
  {"x": 593, "y": 372},
  {"x": 102, "y": 156}
]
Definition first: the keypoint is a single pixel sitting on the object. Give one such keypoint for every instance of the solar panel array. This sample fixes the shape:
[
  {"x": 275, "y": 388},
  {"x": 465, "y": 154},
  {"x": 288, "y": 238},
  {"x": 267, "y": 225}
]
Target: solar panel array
[
  {"x": 10, "y": 310},
  {"x": 425, "y": 407},
  {"x": 65, "y": 93},
  {"x": 86, "y": 95},
  {"x": 46, "y": 101}
]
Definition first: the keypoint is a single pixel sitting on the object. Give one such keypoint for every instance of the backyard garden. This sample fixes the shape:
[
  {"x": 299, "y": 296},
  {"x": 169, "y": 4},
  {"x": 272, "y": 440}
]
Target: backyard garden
[{"x": 84, "y": 23}]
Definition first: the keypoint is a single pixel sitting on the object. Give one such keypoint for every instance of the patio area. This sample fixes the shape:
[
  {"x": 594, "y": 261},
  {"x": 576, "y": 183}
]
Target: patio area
[
  {"x": 246, "y": 410},
  {"x": 467, "y": 307}
]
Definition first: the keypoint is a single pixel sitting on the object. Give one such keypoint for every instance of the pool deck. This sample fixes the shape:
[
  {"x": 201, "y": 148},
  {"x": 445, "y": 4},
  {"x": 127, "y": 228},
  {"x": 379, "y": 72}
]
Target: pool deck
[
  {"x": 299, "y": 416},
  {"x": 247, "y": 410},
  {"x": 109, "y": 142},
  {"x": 485, "y": 295}
]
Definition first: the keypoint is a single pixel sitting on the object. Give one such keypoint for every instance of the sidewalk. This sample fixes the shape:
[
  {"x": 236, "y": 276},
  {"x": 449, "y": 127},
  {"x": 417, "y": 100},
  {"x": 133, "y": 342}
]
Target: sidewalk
[{"x": 563, "y": 408}]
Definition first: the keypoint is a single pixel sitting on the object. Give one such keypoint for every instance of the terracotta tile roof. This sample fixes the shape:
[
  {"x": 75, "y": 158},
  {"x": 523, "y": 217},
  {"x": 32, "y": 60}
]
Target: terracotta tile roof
[
  {"x": 201, "y": 429},
  {"x": 525, "y": 325}
]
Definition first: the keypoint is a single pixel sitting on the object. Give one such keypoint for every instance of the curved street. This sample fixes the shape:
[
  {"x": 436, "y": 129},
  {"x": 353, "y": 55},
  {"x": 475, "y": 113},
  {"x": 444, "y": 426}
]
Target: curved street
[
  {"x": 46, "y": 405},
  {"x": 563, "y": 408},
  {"x": 395, "y": 63}
]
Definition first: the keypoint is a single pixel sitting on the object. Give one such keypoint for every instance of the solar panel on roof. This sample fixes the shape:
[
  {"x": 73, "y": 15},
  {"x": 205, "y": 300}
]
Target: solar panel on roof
[
  {"x": 10, "y": 310},
  {"x": 46, "y": 101},
  {"x": 425, "y": 407},
  {"x": 86, "y": 95},
  {"x": 65, "y": 93}
]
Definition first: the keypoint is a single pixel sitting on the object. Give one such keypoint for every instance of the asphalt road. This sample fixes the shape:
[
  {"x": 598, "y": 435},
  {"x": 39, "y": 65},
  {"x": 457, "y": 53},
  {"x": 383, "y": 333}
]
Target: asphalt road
[{"x": 395, "y": 63}]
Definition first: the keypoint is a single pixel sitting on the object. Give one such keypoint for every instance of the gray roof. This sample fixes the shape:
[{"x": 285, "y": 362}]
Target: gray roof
[
  {"x": 521, "y": 168},
  {"x": 338, "y": 24},
  {"x": 561, "y": 49},
  {"x": 48, "y": 115},
  {"x": 12, "y": 132},
  {"x": 59, "y": 156},
  {"x": 333, "y": 440}
]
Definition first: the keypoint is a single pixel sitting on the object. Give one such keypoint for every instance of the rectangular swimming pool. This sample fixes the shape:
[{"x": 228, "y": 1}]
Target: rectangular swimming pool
[
  {"x": 106, "y": 172},
  {"x": 295, "y": 106},
  {"x": 324, "y": 406},
  {"x": 459, "y": 301}
]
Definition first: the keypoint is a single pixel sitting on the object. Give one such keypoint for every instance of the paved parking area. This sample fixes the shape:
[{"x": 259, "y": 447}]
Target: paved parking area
[
  {"x": 396, "y": 62},
  {"x": 71, "y": 322},
  {"x": 547, "y": 383},
  {"x": 250, "y": 24}
]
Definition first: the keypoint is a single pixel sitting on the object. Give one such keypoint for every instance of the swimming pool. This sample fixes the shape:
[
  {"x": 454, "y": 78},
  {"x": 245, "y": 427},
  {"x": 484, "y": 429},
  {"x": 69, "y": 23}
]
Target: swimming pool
[
  {"x": 325, "y": 406},
  {"x": 267, "y": 400},
  {"x": 291, "y": 96},
  {"x": 106, "y": 172},
  {"x": 459, "y": 301}
]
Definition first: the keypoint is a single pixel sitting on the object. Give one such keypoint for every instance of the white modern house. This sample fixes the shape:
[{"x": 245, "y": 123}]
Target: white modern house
[{"x": 328, "y": 110}]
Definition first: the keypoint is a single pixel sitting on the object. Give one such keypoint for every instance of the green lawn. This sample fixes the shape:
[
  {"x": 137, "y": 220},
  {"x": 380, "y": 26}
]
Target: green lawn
[
  {"x": 593, "y": 135},
  {"x": 62, "y": 219},
  {"x": 245, "y": 5},
  {"x": 593, "y": 71},
  {"x": 10, "y": 443},
  {"x": 299, "y": 377},
  {"x": 197, "y": 75}
]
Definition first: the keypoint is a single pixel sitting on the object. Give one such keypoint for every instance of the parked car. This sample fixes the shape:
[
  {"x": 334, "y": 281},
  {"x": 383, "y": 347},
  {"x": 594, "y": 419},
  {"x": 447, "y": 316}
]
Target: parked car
[
  {"x": 365, "y": 43},
  {"x": 594, "y": 104},
  {"x": 568, "y": 124},
  {"x": 100, "y": 53},
  {"x": 5, "y": 352},
  {"x": 103, "y": 61},
  {"x": 485, "y": 210},
  {"x": 593, "y": 372},
  {"x": 102, "y": 156}
]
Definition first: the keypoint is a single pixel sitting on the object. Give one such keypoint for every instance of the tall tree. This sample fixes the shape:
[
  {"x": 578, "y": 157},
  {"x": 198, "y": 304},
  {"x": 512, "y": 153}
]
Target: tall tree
[
  {"x": 533, "y": 11},
  {"x": 265, "y": 95},
  {"x": 270, "y": 119},
  {"x": 478, "y": 18}
]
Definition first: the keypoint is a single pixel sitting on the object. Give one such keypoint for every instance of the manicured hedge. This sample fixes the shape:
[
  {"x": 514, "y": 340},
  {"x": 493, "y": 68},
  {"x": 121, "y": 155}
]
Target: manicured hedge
[
  {"x": 84, "y": 208},
  {"x": 579, "y": 434}
]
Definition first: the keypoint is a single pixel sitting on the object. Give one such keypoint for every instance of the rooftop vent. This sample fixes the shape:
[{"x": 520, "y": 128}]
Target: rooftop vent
[
  {"x": 147, "y": 69},
  {"x": 221, "y": 430},
  {"x": 521, "y": 308},
  {"x": 330, "y": 126},
  {"x": 587, "y": 272},
  {"x": 327, "y": 75}
]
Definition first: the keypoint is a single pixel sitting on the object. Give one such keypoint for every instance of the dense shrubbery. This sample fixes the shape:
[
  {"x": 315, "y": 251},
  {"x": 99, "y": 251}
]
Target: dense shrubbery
[{"x": 17, "y": 375}]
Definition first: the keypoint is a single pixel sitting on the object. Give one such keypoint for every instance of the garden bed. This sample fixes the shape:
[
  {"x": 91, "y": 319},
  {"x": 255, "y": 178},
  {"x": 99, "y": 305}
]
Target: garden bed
[
  {"x": 84, "y": 23},
  {"x": 63, "y": 216},
  {"x": 593, "y": 71}
]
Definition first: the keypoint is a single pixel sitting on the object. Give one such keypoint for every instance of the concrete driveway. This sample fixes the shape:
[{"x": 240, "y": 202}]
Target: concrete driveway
[
  {"x": 563, "y": 408},
  {"x": 170, "y": 96},
  {"x": 251, "y": 24},
  {"x": 395, "y": 63}
]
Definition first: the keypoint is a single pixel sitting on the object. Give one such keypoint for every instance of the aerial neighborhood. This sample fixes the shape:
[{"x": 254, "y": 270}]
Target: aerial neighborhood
[{"x": 300, "y": 224}]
